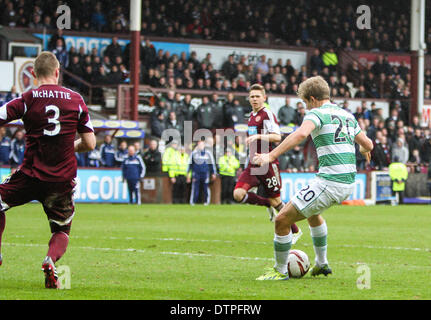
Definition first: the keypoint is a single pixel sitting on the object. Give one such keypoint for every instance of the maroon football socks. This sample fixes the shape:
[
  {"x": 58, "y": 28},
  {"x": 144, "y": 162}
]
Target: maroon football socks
[
  {"x": 253, "y": 198},
  {"x": 2, "y": 225},
  {"x": 57, "y": 245}
]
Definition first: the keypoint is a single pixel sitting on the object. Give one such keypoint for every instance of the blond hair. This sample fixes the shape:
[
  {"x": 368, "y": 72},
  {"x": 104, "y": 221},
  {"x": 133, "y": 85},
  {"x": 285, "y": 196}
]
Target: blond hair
[
  {"x": 316, "y": 87},
  {"x": 259, "y": 87},
  {"x": 45, "y": 64}
]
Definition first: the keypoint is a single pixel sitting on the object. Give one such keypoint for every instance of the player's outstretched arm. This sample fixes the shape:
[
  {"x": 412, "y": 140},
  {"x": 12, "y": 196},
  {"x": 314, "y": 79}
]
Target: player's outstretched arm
[
  {"x": 289, "y": 143},
  {"x": 270, "y": 137},
  {"x": 86, "y": 143},
  {"x": 366, "y": 145}
]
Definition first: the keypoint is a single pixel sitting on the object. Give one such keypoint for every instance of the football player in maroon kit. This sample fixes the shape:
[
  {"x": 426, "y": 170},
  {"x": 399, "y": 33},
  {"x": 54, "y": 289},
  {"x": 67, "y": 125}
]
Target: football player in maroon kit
[
  {"x": 52, "y": 116},
  {"x": 263, "y": 130}
]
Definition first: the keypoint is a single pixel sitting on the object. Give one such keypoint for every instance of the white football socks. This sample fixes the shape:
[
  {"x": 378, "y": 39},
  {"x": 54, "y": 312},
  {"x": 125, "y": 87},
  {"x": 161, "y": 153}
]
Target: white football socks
[
  {"x": 282, "y": 245},
  {"x": 319, "y": 235}
]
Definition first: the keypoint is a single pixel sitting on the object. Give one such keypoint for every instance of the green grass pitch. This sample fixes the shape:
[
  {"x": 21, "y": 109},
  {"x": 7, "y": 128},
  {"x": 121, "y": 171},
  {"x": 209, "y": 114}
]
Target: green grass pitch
[{"x": 169, "y": 252}]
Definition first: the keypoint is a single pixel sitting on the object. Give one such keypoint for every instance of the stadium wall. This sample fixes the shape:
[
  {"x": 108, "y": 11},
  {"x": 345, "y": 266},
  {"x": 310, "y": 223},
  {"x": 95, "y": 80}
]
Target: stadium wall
[{"x": 101, "y": 185}]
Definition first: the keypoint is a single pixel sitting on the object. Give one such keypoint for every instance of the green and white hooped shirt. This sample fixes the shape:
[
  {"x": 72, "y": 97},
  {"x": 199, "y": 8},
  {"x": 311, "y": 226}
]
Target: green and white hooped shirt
[{"x": 334, "y": 139}]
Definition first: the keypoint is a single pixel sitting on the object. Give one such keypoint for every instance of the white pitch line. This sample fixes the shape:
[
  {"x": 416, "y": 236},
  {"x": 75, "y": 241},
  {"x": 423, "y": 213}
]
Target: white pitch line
[
  {"x": 247, "y": 242},
  {"x": 190, "y": 254}
]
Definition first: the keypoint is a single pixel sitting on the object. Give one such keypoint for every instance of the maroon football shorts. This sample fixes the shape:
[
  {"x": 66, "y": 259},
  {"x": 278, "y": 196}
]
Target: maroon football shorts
[
  {"x": 271, "y": 180},
  {"x": 56, "y": 198}
]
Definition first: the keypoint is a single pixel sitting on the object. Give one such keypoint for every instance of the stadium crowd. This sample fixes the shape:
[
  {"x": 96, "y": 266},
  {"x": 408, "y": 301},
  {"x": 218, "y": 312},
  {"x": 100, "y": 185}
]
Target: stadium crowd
[
  {"x": 160, "y": 69},
  {"x": 393, "y": 136},
  {"x": 327, "y": 28},
  {"x": 301, "y": 22}
]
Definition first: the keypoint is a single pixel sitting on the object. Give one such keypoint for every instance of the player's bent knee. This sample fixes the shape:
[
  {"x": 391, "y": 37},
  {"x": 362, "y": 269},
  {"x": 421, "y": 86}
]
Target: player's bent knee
[
  {"x": 282, "y": 225},
  {"x": 239, "y": 194},
  {"x": 274, "y": 202},
  {"x": 288, "y": 215},
  {"x": 315, "y": 220},
  {"x": 60, "y": 228}
]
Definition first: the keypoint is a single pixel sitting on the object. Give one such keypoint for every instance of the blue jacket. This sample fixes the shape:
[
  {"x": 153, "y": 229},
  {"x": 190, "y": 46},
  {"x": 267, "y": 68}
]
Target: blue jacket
[
  {"x": 94, "y": 158},
  {"x": 133, "y": 168},
  {"x": 202, "y": 163},
  {"x": 120, "y": 155},
  {"x": 5, "y": 150},
  {"x": 107, "y": 154},
  {"x": 82, "y": 159},
  {"x": 17, "y": 151}
]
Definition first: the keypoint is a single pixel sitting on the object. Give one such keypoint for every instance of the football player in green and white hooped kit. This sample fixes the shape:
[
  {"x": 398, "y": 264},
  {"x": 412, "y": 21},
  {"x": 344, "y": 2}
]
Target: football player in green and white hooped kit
[{"x": 334, "y": 132}]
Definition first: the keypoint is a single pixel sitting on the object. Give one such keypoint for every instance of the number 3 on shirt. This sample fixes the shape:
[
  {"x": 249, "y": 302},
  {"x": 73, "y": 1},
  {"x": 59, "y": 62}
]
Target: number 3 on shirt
[{"x": 53, "y": 120}]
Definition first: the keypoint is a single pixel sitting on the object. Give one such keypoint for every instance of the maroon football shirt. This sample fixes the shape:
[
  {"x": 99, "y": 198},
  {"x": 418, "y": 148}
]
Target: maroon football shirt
[
  {"x": 262, "y": 122},
  {"x": 52, "y": 115}
]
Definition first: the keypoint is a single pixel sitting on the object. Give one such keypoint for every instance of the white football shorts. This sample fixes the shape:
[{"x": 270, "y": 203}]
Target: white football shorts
[{"x": 319, "y": 195}]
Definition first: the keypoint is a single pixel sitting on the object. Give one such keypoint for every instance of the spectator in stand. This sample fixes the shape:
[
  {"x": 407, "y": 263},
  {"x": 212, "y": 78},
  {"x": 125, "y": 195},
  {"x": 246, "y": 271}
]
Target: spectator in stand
[
  {"x": 415, "y": 160},
  {"x": 300, "y": 113},
  {"x": 229, "y": 68},
  {"x": 330, "y": 60},
  {"x": 115, "y": 76},
  {"x": 373, "y": 128},
  {"x": 107, "y": 153},
  {"x": 158, "y": 124},
  {"x": 121, "y": 153},
  {"x": 262, "y": 65},
  {"x": 17, "y": 150},
  {"x": 113, "y": 50},
  {"x": 12, "y": 94},
  {"x": 217, "y": 106},
  {"x": 153, "y": 158},
  {"x": 177, "y": 104},
  {"x": 204, "y": 114},
  {"x": 425, "y": 151},
  {"x": 53, "y": 41},
  {"x": 203, "y": 168},
  {"x": 148, "y": 55},
  {"x": 381, "y": 155},
  {"x": 61, "y": 53},
  {"x": 316, "y": 62},
  {"x": 75, "y": 67},
  {"x": 94, "y": 158},
  {"x": 5, "y": 147},
  {"x": 98, "y": 19},
  {"x": 371, "y": 86},
  {"x": 170, "y": 100},
  {"x": 9, "y": 15},
  {"x": 400, "y": 152},
  {"x": 36, "y": 22},
  {"x": 354, "y": 73},
  {"x": 138, "y": 149},
  {"x": 296, "y": 159},
  {"x": 361, "y": 93},
  {"x": 186, "y": 110},
  {"x": 416, "y": 141},
  {"x": 133, "y": 171},
  {"x": 173, "y": 123},
  {"x": 230, "y": 118},
  {"x": 81, "y": 159},
  {"x": 286, "y": 114},
  {"x": 381, "y": 66}
]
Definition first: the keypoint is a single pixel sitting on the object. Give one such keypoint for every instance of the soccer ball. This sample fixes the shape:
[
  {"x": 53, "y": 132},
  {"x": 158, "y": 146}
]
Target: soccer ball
[{"x": 298, "y": 263}]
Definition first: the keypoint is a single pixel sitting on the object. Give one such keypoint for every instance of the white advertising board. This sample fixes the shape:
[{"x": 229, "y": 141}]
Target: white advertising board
[
  {"x": 6, "y": 79},
  {"x": 219, "y": 54}
]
